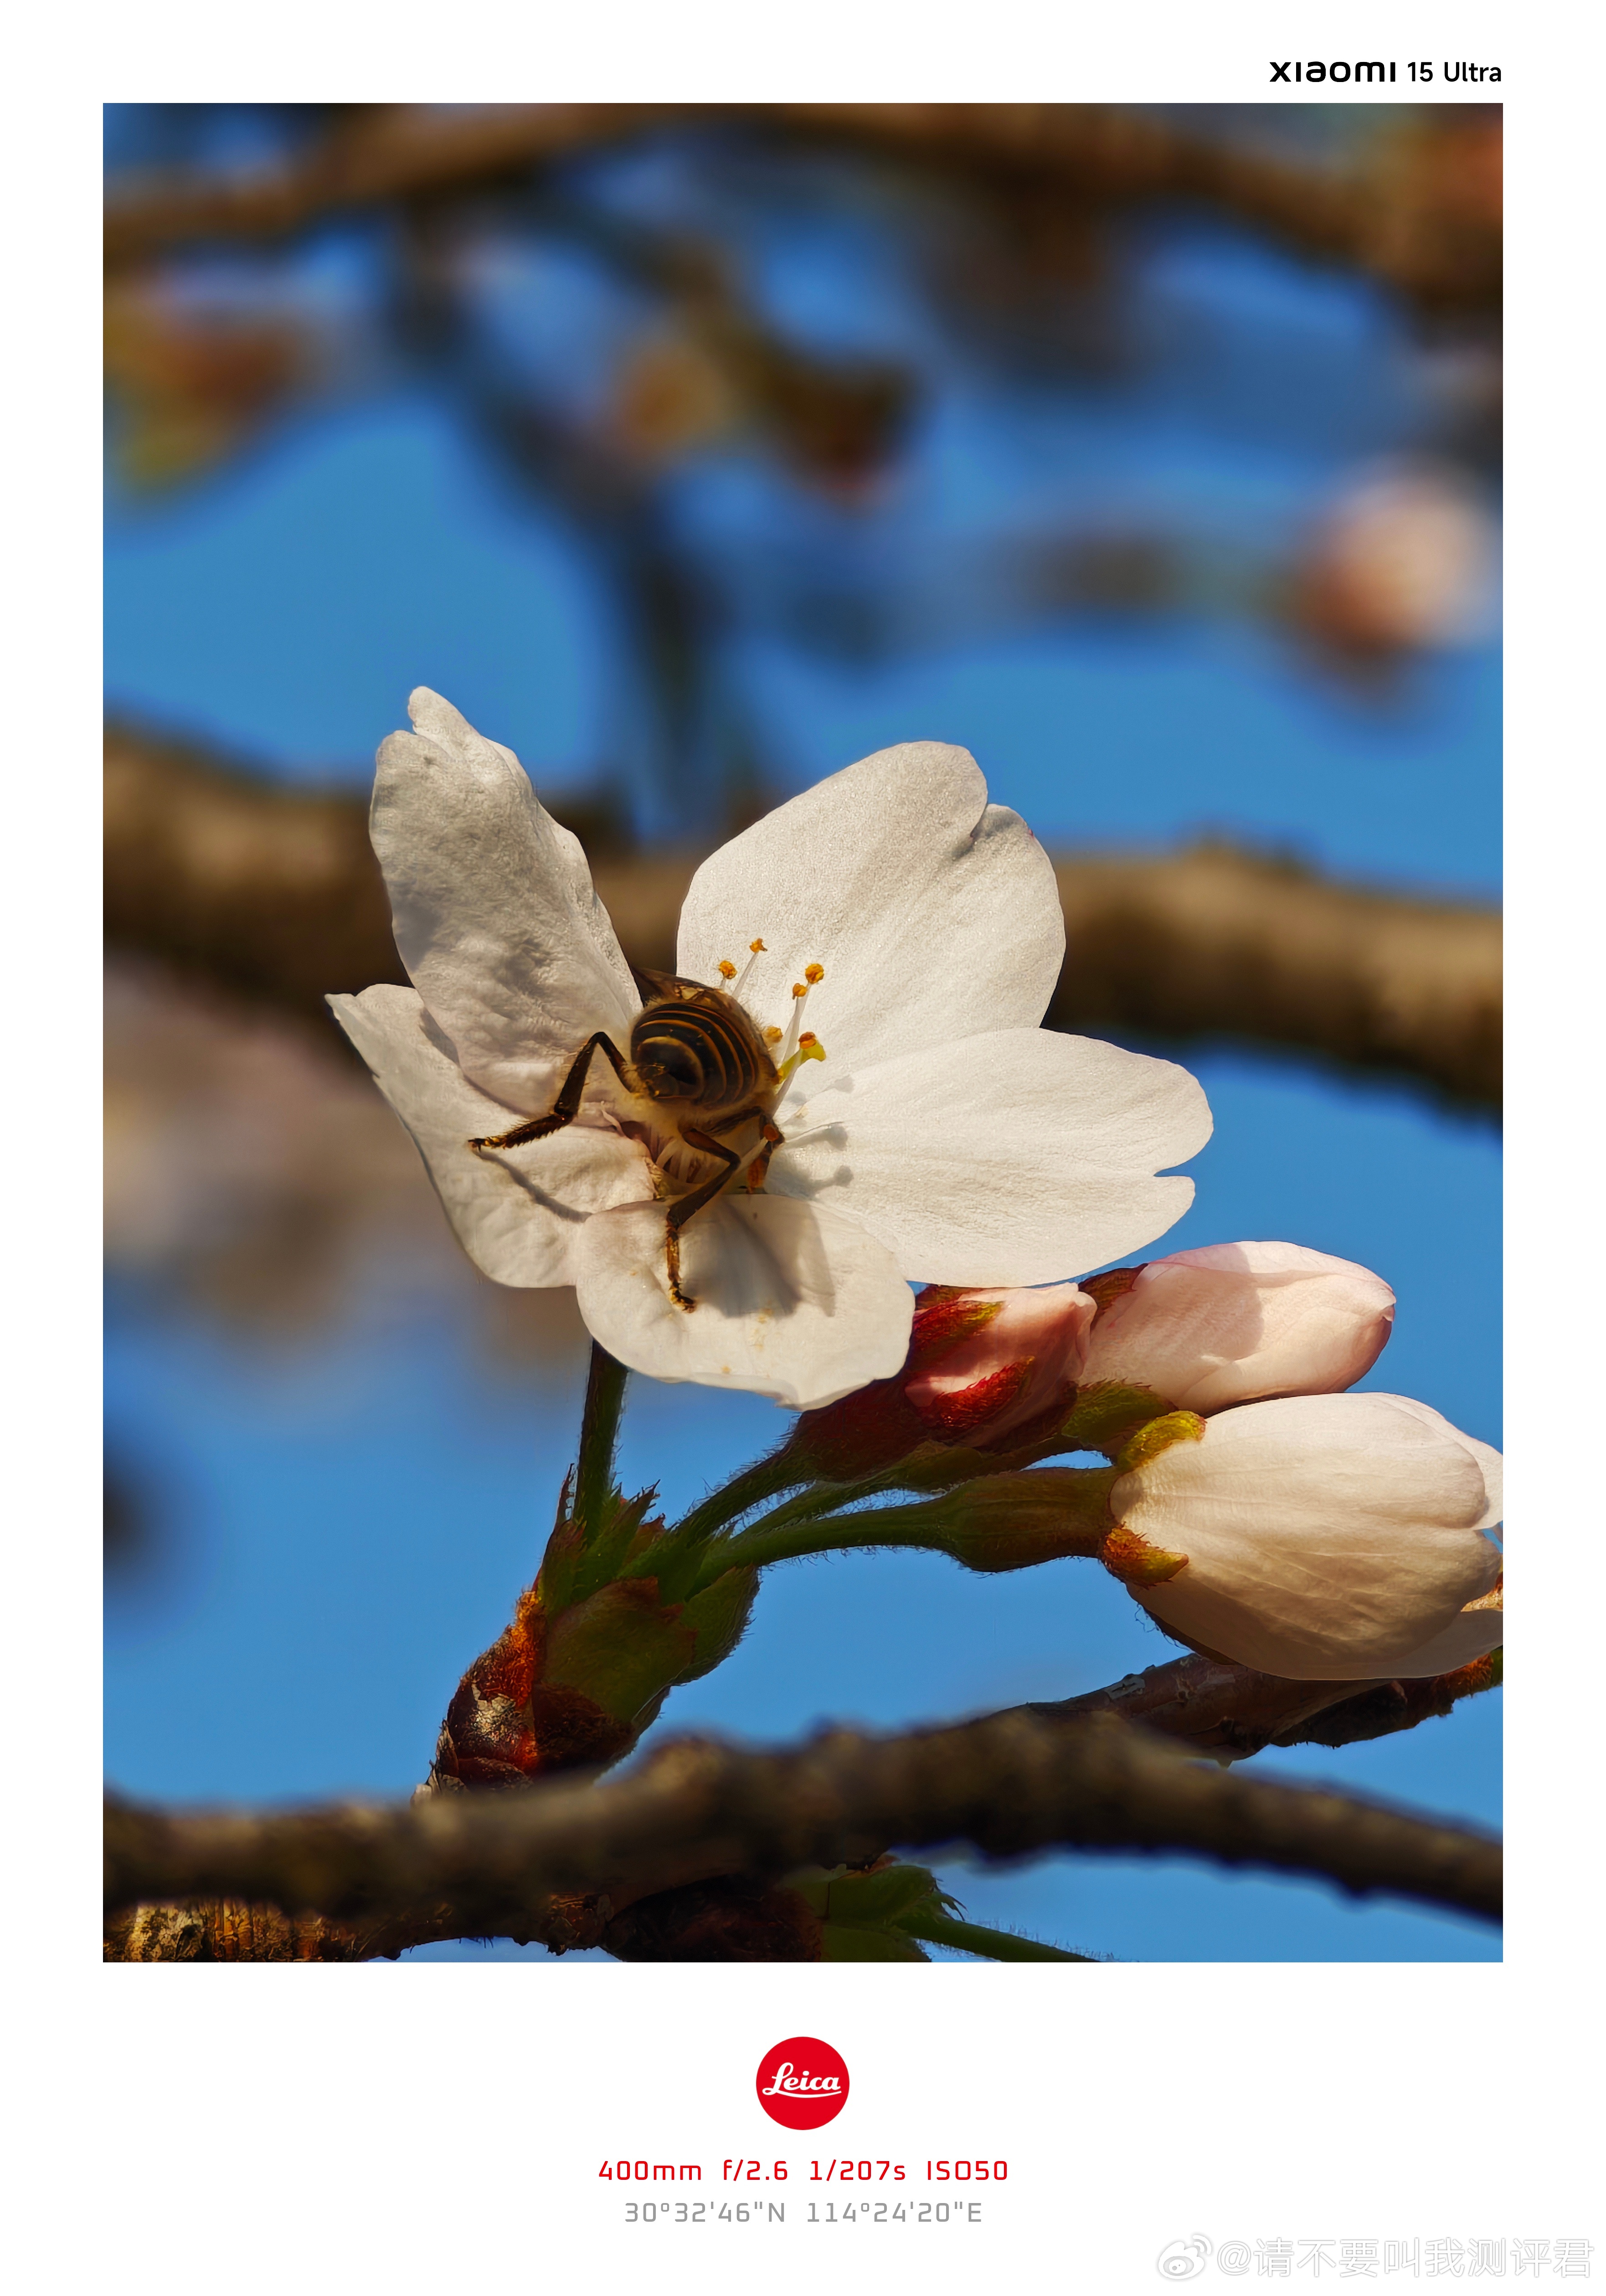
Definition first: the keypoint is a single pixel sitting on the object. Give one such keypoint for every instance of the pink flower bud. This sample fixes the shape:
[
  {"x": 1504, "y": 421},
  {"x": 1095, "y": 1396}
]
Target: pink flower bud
[
  {"x": 993, "y": 1370},
  {"x": 1018, "y": 1365},
  {"x": 1329, "y": 1537},
  {"x": 1233, "y": 1322}
]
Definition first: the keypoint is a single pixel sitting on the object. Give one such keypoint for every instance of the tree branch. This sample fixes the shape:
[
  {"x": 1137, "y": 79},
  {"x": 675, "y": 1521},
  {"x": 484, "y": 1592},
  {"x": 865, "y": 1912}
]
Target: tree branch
[
  {"x": 1006, "y": 1786},
  {"x": 1436, "y": 243},
  {"x": 1209, "y": 1704},
  {"x": 1213, "y": 1706},
  {"x": 276, "y": 893}
]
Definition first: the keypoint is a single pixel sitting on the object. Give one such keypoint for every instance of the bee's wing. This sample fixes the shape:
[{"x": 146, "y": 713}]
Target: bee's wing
[{"x": 660, "y": 987}]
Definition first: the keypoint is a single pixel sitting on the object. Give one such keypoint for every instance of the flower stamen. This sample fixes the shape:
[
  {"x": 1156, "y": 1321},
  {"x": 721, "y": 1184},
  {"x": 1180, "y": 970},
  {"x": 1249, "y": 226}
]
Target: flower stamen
[
  {"x": 809, "y": 1048},
  {"x": 757, "y": 951},
  {"x": 812, "y": 975}
]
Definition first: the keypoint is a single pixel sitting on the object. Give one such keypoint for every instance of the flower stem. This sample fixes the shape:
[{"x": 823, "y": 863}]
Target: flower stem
[
  {"x": 784, "y": 1540},
  {"x": 1006, "y": 1523},
  {"x": 762, "y": 1480},
  {"x": 991, "y": 1945},
  {"x": 599, "y": 1438}
]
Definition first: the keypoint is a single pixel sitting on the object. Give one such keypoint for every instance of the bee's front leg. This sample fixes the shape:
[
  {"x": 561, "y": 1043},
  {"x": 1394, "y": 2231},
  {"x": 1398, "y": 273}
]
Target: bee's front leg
[{"x": 566, "y": 1105}]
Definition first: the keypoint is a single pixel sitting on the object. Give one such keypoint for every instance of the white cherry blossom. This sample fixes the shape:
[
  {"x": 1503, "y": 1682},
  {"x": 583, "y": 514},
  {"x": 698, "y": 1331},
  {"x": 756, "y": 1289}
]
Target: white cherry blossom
[
  {"x": 948, "y": 1138},
  {"x": 1328, "y": 1538}
]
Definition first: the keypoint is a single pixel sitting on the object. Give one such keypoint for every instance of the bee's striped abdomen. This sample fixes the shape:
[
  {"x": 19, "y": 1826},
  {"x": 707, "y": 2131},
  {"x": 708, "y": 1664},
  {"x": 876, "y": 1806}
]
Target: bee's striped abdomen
[{"x": 700, "y": 1049}]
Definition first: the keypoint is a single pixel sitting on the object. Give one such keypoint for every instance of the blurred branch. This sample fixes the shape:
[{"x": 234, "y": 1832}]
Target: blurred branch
[
  {"x": 1007, "y": 1786},
  {"x": 269, "y": 891},
  {"x": 275, "y": 893},
  {"x": 1206, "y": 1703},
  {"x": 1436, "y": 242},
  {"x": 1219, "y": 942}
]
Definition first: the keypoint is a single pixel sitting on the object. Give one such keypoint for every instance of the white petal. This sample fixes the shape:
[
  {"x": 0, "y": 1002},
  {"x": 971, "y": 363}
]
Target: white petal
[
  {"x": 493, "y": 909},
  {"x": 792, "y": 1303},
  {"x": 1231, "y": 1321},
  {"x": 1329, "y": 1537},
  {"x": 517, "y": 1215},
  {"x": 1018, "y": 1158},
  {"x": 1491, "y": 1465},
  {"x": 1471, "y": 1634},
  {"x": 935, "y": 914}
]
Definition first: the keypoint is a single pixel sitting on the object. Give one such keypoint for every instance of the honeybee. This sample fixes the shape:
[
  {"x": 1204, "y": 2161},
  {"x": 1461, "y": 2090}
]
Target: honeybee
[{"x": 705, "y": 1068}]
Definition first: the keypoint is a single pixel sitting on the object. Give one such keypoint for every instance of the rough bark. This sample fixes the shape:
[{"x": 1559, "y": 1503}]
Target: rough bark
[{"x": 1213, "y": 1706}]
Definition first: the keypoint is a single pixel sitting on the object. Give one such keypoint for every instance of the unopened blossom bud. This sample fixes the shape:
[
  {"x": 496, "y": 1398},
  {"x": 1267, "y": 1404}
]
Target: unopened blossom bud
[
  {"x": 1329, "y": 1537},
  {"x": 993, "y": 1370},
  {"x": 1235, "y": 1322}
]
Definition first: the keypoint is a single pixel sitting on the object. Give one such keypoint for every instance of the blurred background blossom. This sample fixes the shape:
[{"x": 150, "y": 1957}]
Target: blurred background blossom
[{"x": 695, "y": 452}]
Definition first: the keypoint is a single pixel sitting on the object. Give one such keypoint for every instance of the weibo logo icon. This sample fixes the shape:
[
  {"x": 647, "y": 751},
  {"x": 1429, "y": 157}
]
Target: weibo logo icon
[{"x": 802, "y": 2083}]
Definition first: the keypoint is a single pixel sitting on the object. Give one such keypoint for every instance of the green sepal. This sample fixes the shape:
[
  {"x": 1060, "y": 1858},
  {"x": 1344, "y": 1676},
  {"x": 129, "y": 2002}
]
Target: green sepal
[
  {"x": 1106, "y": 1415},
  {"x": 557, "y": 1584},
  {"x": 1157, "y": 1435},
  {"x": 623, "y": 1532},
  {"x": 619, "y": 1647},
  {"x": 575, "y": 1565},
  {"x": 718, "y": 1618}
]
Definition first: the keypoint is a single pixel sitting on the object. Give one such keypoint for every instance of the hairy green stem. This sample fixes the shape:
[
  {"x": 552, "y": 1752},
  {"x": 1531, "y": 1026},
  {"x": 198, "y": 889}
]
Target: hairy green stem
[
  {"x": 760, "y": 1481},
  {"x": 991, "y": 1945},
  {"x": 788, "y": 1534},
  {"x": 599, "y": 1438},
  {"x": 1002, "y": 1522}
]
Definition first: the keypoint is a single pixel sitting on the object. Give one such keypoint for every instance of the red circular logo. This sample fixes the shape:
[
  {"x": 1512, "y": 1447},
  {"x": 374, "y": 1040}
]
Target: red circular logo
[{"x": 802, "y": 2083}]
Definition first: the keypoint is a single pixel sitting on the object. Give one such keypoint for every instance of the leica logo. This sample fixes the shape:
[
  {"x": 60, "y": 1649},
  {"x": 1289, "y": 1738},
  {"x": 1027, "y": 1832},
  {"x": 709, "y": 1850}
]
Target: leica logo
[
  {"x": 802, "y": 2083},
  {"x": 787, "y": 2083}
]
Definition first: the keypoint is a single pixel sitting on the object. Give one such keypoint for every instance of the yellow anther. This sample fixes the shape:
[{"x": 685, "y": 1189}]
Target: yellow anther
[
  {"x": 754, "y": 946},
  {"x": 809, "y": 1037},
  {"x": 812, "y": 972},
  {"x": 771, "y": 1036},
  {"x": 809, "y": 1047},
  {"x": 797, "y": 988},
  {"x": 728, "y": 970}
]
